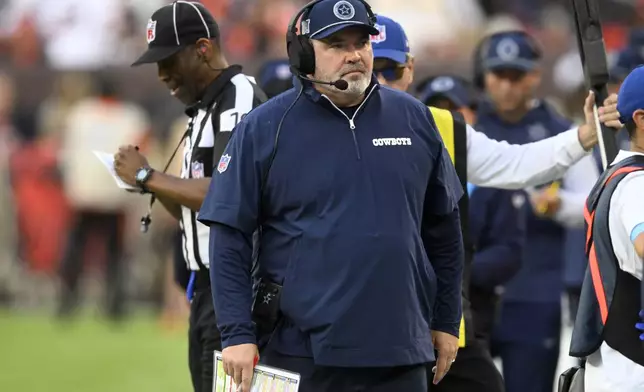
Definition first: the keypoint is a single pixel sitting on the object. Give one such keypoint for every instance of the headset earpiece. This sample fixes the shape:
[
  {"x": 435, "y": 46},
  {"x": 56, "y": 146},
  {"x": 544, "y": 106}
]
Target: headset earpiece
[{"x": 299, "y": 48}]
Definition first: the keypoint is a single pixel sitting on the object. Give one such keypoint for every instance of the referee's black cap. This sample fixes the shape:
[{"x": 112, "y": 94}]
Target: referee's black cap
[{"x": 175, "y": 26}]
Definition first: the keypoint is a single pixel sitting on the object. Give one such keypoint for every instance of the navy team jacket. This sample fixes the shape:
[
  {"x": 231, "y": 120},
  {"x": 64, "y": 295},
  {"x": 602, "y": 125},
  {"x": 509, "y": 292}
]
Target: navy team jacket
[
  {"x": 359, "y": 223},
  {"x": 497, "y": 228},
  {"x": 540, "y": 277}
]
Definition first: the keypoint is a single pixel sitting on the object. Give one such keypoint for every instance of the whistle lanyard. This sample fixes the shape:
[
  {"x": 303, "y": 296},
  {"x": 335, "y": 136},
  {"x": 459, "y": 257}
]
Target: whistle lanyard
[{"x": 145, "y": 220}]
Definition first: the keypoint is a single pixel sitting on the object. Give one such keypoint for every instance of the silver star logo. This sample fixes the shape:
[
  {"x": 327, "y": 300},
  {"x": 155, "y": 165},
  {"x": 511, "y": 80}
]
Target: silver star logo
[
  {"x": 267, "y": 298},
  {"x": 344, "y": 10}
]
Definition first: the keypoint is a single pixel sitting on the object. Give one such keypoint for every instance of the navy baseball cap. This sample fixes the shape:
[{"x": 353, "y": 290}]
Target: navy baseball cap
[
  {"x": 510, "y": 50},
  {"x": 391, "y": 41},
  {"x": 274, "y": 69},
  {"x": 451, "y": 87},
  {"x": 330, "y": 16},
  {"x": 630, "y": 97},
  {"x": 275, "y": 77},
  {"x": 175, "y": 26}
]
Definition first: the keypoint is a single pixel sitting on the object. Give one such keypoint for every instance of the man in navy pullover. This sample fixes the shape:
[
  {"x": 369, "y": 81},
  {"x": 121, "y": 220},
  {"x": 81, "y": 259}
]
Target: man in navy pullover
[
  {"x": 530, "y": 321},
  {"x": 356, "y": 200}
]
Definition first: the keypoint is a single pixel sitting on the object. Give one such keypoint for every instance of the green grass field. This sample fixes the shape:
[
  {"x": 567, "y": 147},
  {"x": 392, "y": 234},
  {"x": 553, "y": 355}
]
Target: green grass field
[{"x": 40, "y": 355}]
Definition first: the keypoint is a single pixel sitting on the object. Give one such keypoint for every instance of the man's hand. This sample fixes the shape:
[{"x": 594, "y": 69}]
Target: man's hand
[
  {"x": 546, "y": 203},
  {"x": 126, "y": 163},
  {"x": 239, "y": 362},
  {"x": 447, "y": 346},
  {"x": 608, "y": 115}
]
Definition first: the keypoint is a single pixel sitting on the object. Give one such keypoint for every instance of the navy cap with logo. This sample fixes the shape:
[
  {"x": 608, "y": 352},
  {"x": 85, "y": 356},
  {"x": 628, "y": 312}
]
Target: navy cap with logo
[
  {"x": 175, "y": 26},
  {"x": 453, "y": 88},
  {"x": 391, "y": 41},
  {"x": 274, "y": 69},
  {"x": 275, "y": 77},
  {"x": 630, "y": 97},
  {"x": 330, "y": 16},
  {"x": 510, "y": 50}
]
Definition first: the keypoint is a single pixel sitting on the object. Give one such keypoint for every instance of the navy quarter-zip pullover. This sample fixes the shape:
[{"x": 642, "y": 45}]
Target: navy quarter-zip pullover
[{"x": 359, "y": 223}]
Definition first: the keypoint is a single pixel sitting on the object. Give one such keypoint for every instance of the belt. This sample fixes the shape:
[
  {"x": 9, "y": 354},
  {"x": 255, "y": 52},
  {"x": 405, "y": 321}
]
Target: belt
[{"x": 199, "y": 281}]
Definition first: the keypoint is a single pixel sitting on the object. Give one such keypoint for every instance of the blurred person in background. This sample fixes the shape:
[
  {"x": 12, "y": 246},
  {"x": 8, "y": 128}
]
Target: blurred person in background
[
  {"x": 101, "y": 123},
  {"x": 450, "y": 92},
  {"x": 8, "y": 143},
  {"x": 74, "y": 34},
  {"x": 529, "y": 327},
  {"x": 275, "y": 77},
  {"x": 270, "y": 20},
  {"x": 68, "y": 88},
  {"x": 488, "y": 163},
  {"x": 497, "y": 230},
  {"x": 184, "y": 42}
]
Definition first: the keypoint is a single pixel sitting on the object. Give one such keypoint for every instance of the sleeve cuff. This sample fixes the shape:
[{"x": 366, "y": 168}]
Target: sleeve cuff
[
  {"x": 572, "y": 145},
  {"x": 637, "y": 230},
  {"x": 450, "y": 328},
  {"x": 237, "y": 339}
]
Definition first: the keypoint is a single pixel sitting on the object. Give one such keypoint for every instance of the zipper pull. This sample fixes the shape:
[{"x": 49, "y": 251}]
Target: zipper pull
[{"x": 351, "y": 124}]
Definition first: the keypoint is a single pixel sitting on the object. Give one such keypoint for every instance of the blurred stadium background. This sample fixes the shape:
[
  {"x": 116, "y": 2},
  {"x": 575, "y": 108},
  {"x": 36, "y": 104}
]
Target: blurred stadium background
[{"x": 57, "y": 56}]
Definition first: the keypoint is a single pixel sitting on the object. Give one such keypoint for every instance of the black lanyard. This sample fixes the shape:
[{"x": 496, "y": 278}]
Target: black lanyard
[{"x": 145, "y": 220}]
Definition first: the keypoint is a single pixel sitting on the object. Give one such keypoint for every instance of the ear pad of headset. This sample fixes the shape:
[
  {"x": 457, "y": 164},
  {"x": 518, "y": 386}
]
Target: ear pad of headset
[
  {"x": 306, "y": 55},
  {"x": 293, "y": 50}
]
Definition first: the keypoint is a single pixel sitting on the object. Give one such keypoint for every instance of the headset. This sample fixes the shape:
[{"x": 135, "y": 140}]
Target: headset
[
  {"x": 301, "y": 58},
  {"x": 301, "y": 55},
  {"x": 478, "y": 77}
]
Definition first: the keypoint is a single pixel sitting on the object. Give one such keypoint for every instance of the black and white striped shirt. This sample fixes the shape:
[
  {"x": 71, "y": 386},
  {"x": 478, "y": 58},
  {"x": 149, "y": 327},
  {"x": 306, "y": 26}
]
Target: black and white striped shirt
[{"x": 212, "y": 120}]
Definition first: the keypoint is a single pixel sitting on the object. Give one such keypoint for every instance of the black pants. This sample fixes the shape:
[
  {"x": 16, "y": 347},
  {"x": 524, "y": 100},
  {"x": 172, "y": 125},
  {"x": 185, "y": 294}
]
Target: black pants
[
  {"x": 334, "y": 379},
  {"x": 203, "y": 340},
  {"x": 528, "y": 367},
  {"x": 71, "y": 268},
  {"x": 473, "y": 371},
  {"x": 530, "y": 364}
]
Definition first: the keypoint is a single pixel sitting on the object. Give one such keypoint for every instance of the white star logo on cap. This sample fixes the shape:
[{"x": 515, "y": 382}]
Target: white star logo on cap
[
  {"x": 344, "y": 10},
  {"x": 507, "y": 49},
  {"x": 442, "y": 83},
  {"x": 283, "y": 71}
]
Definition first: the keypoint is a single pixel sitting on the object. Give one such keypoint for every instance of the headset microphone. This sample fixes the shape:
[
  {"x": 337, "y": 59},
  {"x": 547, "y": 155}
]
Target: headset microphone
[{"x": 340, "y": 84}]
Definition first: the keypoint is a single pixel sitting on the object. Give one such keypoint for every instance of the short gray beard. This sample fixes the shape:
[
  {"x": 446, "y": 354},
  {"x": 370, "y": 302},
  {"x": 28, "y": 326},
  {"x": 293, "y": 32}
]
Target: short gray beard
[{"x": 357, "y": 87}]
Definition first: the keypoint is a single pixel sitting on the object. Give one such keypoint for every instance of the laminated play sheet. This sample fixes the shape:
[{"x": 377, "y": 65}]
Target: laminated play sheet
[{"x": 265, "y": 379}]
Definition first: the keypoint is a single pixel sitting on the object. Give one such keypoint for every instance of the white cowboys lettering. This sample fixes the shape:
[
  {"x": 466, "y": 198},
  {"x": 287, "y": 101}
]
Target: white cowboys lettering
[{"x": 392, "y": 141}]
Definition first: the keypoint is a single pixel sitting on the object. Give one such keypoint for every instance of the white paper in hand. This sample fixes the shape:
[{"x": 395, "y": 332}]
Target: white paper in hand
[
  {"x": 265, "y": 379},
  {"x": 108, "y": 160}
]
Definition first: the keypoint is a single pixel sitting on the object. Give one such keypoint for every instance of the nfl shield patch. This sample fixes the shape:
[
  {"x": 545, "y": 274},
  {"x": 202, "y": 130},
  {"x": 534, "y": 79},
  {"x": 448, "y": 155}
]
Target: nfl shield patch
[
  {"x": 152, "y": 30},
  {"x": 223, "y": 163},
  {"x": 197, "y": 170},
  {"x": 380, "y": 37}
]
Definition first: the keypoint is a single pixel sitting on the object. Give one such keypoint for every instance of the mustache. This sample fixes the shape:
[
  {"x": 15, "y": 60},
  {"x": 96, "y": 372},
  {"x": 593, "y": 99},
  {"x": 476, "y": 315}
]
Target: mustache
[{"x": 354, "y": 68}]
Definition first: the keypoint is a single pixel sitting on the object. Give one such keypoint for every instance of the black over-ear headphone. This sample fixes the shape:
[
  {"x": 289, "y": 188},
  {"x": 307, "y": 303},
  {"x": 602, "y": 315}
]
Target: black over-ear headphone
[
  {"x": 481, "y": 49},
  {"x": 301, "y": 55}
]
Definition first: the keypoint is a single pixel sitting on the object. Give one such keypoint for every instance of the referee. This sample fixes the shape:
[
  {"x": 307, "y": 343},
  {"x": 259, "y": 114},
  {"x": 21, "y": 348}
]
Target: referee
[{"x": 183, "y": 40}]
